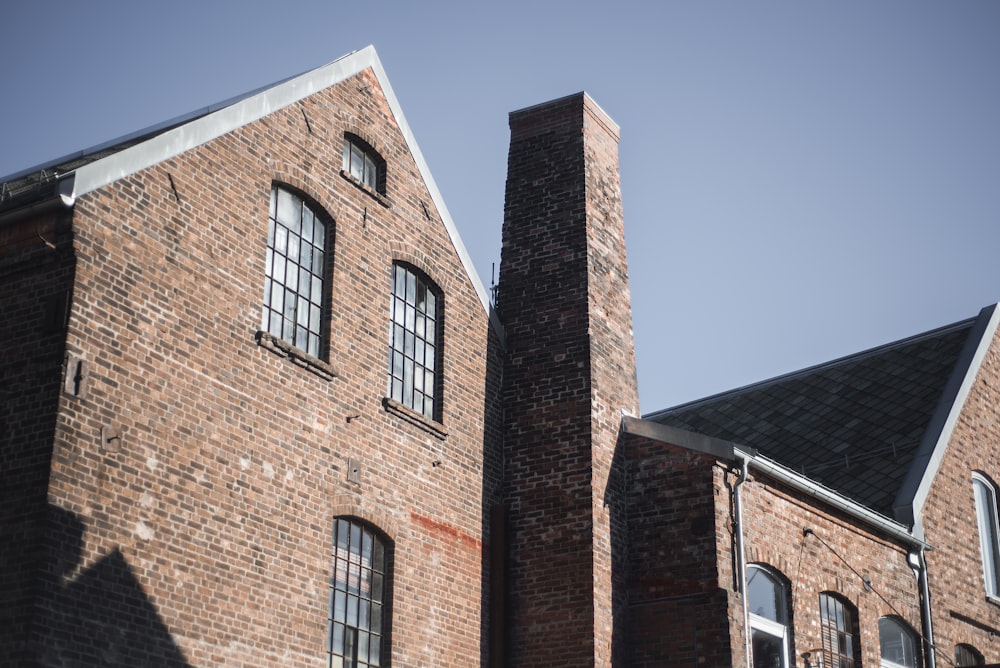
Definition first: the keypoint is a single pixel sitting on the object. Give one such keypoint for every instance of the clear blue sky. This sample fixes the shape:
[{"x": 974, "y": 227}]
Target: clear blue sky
[{"x": 801, "y": 180}]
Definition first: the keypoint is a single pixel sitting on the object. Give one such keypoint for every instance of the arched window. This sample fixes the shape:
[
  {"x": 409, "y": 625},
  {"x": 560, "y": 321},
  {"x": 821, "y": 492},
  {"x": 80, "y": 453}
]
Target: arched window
[
  {"x": 898, "y": 644},
  {"x": 295, "y": 272},
  {"x": 415, "y": 342},
  {"x": 359, "y": 612},
  {"x": 767, "y": 597},
  {"x": 363, "y": 163},
  {"x": 967, "y": 655},
  {"x": 989, "y": 531},
  {"x": 839, "y": 630}
]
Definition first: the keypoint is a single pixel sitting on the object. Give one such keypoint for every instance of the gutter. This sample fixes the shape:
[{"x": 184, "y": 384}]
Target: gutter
[
  {"x": 727, "y": 451},
  {"x": 62, "y": 196},
  {"x": 930, "y": 655},
  {"x": 740, "y": 555},
  {"x": 826, "y": 495}
]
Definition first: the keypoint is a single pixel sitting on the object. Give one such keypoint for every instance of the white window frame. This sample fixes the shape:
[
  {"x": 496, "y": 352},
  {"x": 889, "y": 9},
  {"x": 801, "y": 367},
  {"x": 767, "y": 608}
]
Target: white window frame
[
  {"x": 989, "y": 533},
  {"x": 771, "y": 627}
]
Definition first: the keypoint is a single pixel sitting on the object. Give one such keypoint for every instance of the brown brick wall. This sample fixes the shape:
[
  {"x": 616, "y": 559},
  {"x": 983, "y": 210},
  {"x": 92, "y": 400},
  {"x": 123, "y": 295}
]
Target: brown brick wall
[
  {"x": 211, "y": 524},
  {"x": 684, "y": 595},
  {"x": 569, "y": 373},
  {"x": 832, "y": 558},
  {"x": 962, "y": 613},
  {"x": 677, "y": 516}
]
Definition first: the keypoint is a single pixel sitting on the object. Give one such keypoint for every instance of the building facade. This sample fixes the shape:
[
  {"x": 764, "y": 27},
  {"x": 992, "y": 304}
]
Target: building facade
[{"x": 258, "y": 409}]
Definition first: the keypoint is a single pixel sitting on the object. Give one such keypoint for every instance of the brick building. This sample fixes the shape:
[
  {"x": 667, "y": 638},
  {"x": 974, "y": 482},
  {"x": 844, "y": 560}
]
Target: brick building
[{"x": 258, "y": 409}]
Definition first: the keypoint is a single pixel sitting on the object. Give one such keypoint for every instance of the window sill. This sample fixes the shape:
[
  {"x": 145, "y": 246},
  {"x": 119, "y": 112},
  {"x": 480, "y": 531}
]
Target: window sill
[
  {"x": 299, "y": 357},
  {"x": 435, "y": 429},
  {"x": 374, "y": 194}
]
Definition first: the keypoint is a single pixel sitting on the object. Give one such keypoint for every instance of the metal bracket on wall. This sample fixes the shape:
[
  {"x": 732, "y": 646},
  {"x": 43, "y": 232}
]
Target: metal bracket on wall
[{"x": 111, "y": 438}]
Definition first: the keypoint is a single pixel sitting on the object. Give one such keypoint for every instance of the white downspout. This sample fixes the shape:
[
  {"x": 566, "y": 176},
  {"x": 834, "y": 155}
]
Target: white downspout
[
  {"x": 925, "y": 610},
  {"x": 740, "y": 557}
]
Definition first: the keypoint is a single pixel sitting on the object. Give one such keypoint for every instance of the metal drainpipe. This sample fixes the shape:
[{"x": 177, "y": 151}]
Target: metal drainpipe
[
  {"x": 925, "y": 610},
  {"x": 740, "y": 558}
]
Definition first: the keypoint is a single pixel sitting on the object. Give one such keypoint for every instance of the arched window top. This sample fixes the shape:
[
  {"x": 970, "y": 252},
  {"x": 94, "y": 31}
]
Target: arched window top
[
  {"x": 766, "y": 594},
  {"x": 898, "y": 644},
  {"x": 363, "y": 163},
  {"x": 770, "y": 635},
  {"x": 985, "y": 493},
  {"x": 967, "y": 655}
]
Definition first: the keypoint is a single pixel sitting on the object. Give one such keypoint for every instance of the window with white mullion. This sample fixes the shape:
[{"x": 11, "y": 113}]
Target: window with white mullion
[
  {"x": 767, "y": 602},
  {"x": 989, "y": 532}
]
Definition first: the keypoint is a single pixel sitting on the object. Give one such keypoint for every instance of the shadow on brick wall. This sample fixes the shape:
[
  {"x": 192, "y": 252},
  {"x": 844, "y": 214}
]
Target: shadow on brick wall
[{"x": 99, "y": 616}]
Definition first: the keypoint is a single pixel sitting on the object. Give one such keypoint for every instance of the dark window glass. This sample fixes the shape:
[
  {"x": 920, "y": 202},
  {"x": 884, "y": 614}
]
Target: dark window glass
[
  {"x": 967, "y": 655},
  {"x": 357, "y": 616}
]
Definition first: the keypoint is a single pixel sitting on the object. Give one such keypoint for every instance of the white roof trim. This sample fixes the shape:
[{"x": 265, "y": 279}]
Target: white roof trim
[
  {"x": 955, "y": 410},
  {"x": 217, "y": 123}
]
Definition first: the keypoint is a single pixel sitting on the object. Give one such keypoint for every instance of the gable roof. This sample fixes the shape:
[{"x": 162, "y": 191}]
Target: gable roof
[
  {"x": 77, "y": 174},
  {"x": 871, "y": 426}
]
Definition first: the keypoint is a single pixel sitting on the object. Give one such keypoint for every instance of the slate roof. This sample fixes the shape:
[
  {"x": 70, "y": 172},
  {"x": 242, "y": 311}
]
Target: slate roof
[{"x": 856, "y": 424}]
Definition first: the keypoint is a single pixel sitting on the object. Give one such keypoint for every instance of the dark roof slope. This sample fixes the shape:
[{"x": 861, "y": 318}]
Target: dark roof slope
[{"x": 853, "y": 424}]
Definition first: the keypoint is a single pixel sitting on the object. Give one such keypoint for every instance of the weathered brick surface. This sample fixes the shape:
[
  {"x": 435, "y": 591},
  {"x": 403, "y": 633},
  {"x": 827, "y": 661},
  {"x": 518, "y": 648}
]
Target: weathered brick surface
[
  {"x": 569, "y": 373},
  {"x": 678, "y": 603},
  {"x": 205, "y": 539},
  {"x": 962, "y": 611},
  {"x": 832, "y": 558},
  {"x": 684, "y": 593},
  {"x": 199, "y": 534}
]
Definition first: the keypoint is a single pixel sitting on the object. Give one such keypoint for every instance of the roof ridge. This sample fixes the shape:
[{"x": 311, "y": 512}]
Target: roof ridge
[{"x": 792, "y": 375}]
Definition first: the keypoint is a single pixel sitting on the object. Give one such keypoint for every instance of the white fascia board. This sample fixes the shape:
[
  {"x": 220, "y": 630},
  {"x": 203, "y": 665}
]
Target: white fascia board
[
  {"x": 217, "y": 123},
  {"x": 955, "y": 410},
  {"x": 435, "y": 194}
]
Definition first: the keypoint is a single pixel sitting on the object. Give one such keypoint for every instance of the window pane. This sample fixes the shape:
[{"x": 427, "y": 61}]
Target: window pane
[
  {"x": 286, "y": 206},
  {"x": 357, "y": 164},
  {"x": 986, "y": 516},
  {"x": 767, "y": 650},
  {"x": 765, "y": 594},
  {"x": 307, "y": 224},
  {"x": 319, "y": 235},
  {"x": 897, "y": 643},
  {"x": 316, "y": 294},
  {"x": 281, "y": 239}
]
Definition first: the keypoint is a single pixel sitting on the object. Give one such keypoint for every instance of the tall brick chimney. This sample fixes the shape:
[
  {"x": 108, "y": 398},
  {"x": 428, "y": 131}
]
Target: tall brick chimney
[{"x": 568, "y": 375}]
